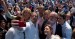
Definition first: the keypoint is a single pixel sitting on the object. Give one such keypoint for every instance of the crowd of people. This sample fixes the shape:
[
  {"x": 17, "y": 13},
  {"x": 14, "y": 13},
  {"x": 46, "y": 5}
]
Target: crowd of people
[{"x": 37, "y": 19}]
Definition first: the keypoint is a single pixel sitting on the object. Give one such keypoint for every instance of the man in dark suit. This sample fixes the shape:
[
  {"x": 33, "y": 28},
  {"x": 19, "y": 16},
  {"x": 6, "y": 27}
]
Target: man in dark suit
[
  {"x": 2, "y": 29},
  {"x": 58, "y": 30},
  {"x": 3, "y": 16}
]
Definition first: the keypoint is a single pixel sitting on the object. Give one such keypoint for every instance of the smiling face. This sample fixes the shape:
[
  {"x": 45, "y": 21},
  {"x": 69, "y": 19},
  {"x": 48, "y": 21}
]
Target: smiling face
[
  {"x": 46, "y": 14},
  {"x": 41, "y": 10},
  {"x": 34, "y": 17},
  {"x": 26, "y": 14},
  {"x": 2, "y": 24},
  {"x": 60, "y": 19},
  {"x": 48, "y": 30},
  {"x": 52, "y": 18}
]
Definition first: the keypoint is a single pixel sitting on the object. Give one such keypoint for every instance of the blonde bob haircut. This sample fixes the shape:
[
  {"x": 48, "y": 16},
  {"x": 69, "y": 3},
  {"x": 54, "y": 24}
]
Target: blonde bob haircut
[
  {"x": 26, "y": 10},
  {"x": 40, "y": 7},
  {"x": 47, "y": 11}
]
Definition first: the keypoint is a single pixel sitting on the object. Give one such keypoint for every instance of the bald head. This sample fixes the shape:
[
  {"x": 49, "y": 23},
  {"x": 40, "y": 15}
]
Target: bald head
[
  {"x": 53, "y": 14},
  {"x": 52, "y": 18}
]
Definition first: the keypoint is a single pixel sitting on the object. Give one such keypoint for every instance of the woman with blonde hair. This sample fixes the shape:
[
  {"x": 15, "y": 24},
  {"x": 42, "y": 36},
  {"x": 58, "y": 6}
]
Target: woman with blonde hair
[{"x": 26, "y": 13}]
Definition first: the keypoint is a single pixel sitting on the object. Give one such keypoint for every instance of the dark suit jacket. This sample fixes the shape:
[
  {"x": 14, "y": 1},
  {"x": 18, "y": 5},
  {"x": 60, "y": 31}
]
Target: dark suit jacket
[
  {"x": 42, "y": 35},
  {"x": 3, "y": 33},
  {"x": 71, "y": 21},
  {"x": 2, "y": 18},
  {"x": 7, "y": 20},
  {"x": 58, "y": 30}
]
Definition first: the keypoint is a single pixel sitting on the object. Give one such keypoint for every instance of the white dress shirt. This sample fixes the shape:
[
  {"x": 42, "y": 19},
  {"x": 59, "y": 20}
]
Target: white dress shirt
[
  {"x": 4, "y": 17},
  {"x": 66, "y": 31},
  {"x": 14, "y": 33},
  {"x": 31, "y": 31}
]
